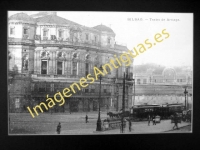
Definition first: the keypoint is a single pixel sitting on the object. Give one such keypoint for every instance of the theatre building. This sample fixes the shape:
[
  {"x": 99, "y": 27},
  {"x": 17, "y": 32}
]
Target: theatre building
[{"x": 47, "y": 53}]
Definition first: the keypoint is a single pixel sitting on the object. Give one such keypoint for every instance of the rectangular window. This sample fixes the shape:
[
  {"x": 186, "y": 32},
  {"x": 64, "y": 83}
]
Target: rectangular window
[
  {"x": 17, "y": 104},
  {"x": 127, "y": 73},
  {"x": 12, "y": 31},
  {"x": 52, "y": 87},
  {"x": 180, "y": 80},
  {"x": 36, "y": 87},
  {"x": 87, "y": 36},
  {"x": 86, "y": 90},
  {"x": 45, "y": 33},
  {"x": 116, "y": 73},
  {"x": 95, "y": 39},
  {"x": 48, "y": 87},
  {"x": 59, "y": 67},
  {"x": 127, "y": 70},
  {"x": 92, "y": 90},
  {"x": 108, "y": 40},
  {"x": 138, "y": 81},
  {"x": 145, "y": 81},
  {"x": 61, "y": 33},
  {"x": 42, "y": 87},
  {"x": 44, "y": 67},
  {"x": 126, "y": 90},
  {"x": 86, "y": 69},
  {"x": 25, "y": 31},
  {"x": 105, "y": 90},
  {"x": 32, "y": 86},
  {"x": 74, "y": 68}
]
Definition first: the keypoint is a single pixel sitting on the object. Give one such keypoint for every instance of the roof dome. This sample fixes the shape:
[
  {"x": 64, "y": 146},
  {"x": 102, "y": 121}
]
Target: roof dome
[
  {"x": 103, "y": 28},
  {"x": 22, "y": 17}
]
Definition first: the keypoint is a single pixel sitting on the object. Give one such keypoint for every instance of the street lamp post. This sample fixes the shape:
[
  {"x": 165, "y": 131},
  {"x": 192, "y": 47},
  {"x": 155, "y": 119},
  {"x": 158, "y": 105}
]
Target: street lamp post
[
  {"x": 123, "y": 100},
  {"x": 99, "y": 119},
  {"x": 185, "y": 92},
  {"x": 123, "y": 103}
]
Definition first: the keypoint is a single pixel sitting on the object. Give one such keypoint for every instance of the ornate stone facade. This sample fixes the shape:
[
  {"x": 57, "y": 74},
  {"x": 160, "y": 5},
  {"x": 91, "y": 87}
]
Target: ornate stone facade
[{"x": 48, "y": 53}]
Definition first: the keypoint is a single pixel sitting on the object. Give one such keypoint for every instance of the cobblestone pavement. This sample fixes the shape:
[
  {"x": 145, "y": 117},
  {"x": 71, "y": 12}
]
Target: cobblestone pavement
[
  {"x": 73, "y": 124},
  {"x": 185, "y": 129}
]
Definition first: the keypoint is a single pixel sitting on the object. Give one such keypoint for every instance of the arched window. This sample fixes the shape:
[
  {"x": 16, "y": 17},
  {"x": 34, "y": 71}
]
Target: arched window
[
  {"x": 44, "y": 66},
  {"x": 74, "y": 64},
  {"x": 59, "y": 67},
  {"x": 25, "y": 62},
  {"x": 86, "y": 68}
]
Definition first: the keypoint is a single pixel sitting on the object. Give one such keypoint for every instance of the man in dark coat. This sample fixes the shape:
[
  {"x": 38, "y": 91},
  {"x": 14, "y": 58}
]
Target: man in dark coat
[
  {"x": 58, "y": 128},
  {"x": 86, "y": 119},
  {"x": 130, "y": 124},
  {"x": 154, "y": 120},
  {"x": 149, "y": 119},
  {"x": 175, "y": 121}
]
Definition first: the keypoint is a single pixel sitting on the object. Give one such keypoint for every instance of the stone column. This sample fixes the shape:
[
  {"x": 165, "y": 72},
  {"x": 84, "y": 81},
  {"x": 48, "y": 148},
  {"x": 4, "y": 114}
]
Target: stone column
[
  {"x": 35, "y": 63},
  {"x": 38, "y": 62},
  {"x": 54, "y": 61}
]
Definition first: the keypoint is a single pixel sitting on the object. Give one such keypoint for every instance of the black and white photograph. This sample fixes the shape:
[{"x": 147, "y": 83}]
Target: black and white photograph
[{"x": 99, "y": 72}]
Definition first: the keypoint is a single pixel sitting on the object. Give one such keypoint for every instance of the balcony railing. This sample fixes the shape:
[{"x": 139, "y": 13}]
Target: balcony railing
[
  {"x": 60, "y": 75},
  {"x": 67, "y": 42},
  {"x": 80, "y": 93},
  {"x": 56, "y": 75},
  {"x": 43, "y": 75},
  {"x": 20, "y": 40}
]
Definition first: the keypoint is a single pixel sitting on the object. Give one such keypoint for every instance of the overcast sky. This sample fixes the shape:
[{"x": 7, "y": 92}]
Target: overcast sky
[{"x": 177, "y": 50}]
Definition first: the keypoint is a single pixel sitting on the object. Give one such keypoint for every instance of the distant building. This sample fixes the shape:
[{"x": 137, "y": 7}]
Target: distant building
[
  {"x": 166, "y": 87},
  {"x": 47, "y": 53}
]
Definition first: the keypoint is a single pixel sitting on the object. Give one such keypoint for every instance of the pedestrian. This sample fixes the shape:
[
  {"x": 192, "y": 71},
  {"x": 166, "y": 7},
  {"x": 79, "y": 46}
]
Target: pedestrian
[
  {"x": 149, "y": 120},
  {"x": 175, "y": 121},
  {"x": 58, "y": 128},
  {"x": 120, "y": 127},
  {"x": 86, "y": 119},
  {"x": 154, "y": 120},
  {"x": 130, "y": 124}
]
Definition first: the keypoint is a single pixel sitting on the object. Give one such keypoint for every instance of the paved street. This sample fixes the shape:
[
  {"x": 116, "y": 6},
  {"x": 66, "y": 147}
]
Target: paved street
[
  {"x": 185, "y": 129},
  {"x": 23, "y": 123}
]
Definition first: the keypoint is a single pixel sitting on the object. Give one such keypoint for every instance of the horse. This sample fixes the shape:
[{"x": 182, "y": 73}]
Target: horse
[{"x": 110, "y": 114}]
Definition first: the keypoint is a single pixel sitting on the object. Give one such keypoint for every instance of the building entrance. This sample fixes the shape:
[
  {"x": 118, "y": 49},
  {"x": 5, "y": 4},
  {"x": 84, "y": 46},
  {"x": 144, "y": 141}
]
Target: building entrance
[
  {"x": 73, "y": 106},
  {"x": 95, "y": 105}
]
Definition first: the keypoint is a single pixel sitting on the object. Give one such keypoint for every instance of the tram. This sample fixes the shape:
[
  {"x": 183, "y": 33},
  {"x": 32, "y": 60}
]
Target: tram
[
  {"x": 168, "y": 110},
  {"x": 142, "y": 111}
]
